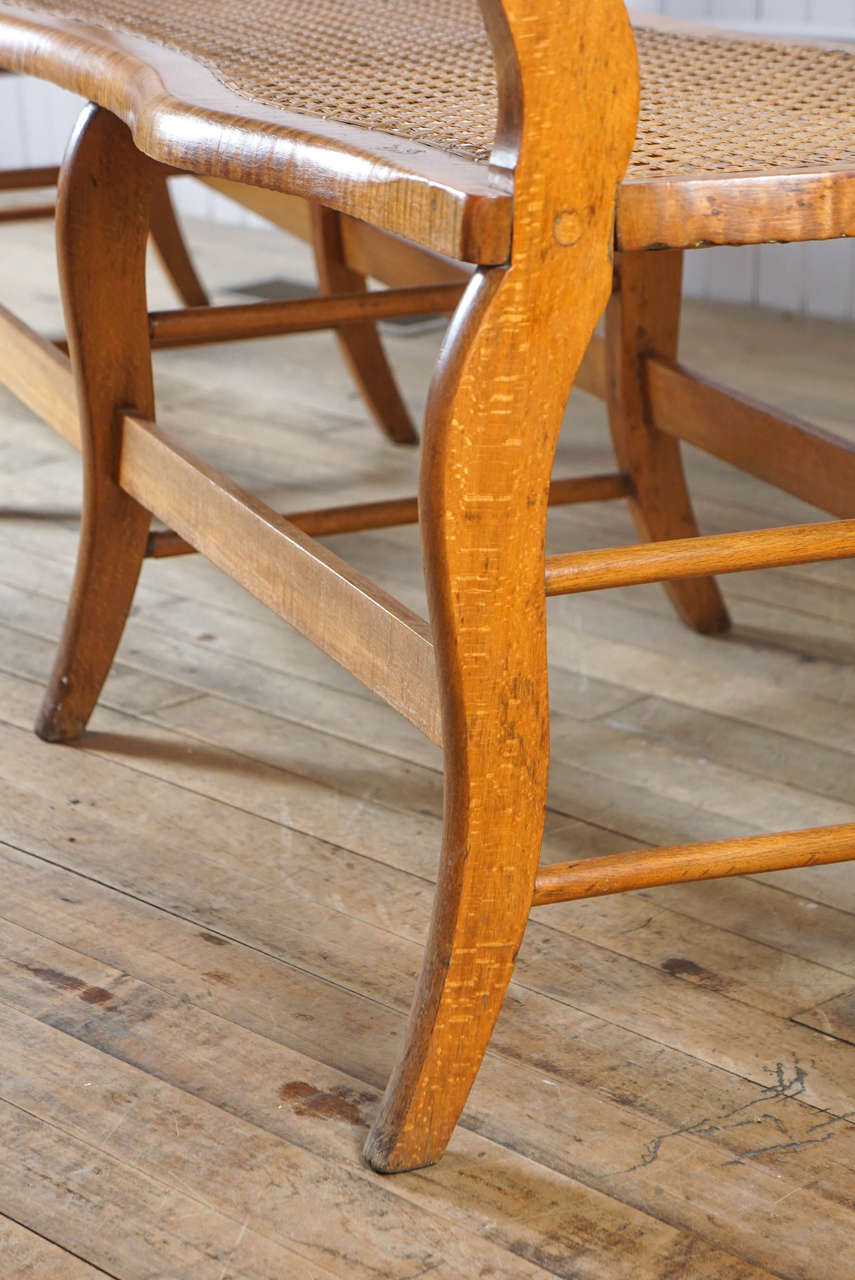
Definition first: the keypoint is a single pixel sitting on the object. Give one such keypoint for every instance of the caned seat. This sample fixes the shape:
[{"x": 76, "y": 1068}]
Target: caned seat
[
  {"x": 777, "y": 115},
  {"x": 503, "y": 143}
]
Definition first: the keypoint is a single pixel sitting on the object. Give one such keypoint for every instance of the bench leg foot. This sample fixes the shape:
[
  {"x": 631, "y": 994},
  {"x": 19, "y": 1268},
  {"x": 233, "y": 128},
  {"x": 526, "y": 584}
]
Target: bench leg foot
[{"x": 102, "y": 226}]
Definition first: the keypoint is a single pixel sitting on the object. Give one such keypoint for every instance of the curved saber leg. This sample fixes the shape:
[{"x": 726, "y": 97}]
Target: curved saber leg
[
  {"x": 168, "y": 240},
  {"x": 483, "y": 513},
  {"x": 102, "y": 225},
  {"x": 360, "y": 343},
  {"x": 491, "y": 427}
]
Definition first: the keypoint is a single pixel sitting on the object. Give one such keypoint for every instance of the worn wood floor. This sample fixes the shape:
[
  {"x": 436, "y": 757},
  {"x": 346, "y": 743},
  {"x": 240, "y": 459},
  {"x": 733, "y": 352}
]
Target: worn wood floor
[{"x": 212, "y": 908}]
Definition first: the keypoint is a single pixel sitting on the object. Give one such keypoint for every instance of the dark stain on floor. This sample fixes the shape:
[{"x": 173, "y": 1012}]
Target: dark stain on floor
[
  {"x": 340, "y": 1103},
  {"x": 54, "y": 977},
  {"x": 66, "y": 982},
  {"x": 680, "y": 967},
  {"x": 96, "y": 995}
]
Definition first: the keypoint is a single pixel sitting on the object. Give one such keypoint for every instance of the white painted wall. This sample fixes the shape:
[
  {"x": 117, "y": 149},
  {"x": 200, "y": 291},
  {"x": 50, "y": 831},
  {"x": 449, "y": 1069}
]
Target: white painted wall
[
  {"x": 816, "y": 278},
  {"x": 36, "y": 120}
]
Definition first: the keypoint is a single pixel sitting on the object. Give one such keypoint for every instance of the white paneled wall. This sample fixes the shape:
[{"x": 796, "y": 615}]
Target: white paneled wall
[
  {"x": 36, "y": 120},
  {"x": 816, "y": 278}
]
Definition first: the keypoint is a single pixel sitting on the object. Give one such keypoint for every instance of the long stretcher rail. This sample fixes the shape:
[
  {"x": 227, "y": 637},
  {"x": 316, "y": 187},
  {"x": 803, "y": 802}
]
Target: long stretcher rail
[
  {"x": 194, "y": 326},
  {"x": 401, "y": 511},
  {"x": 367, "y": 631}
]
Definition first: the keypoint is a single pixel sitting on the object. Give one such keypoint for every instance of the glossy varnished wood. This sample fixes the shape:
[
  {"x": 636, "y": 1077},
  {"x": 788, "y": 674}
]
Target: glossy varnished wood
[
  {"x": 815, "y": 465},
  {"x": 360, "y": 342},
  {"x": 392, "y": 513},
  {"x": 780, "y": 204},
  {"x": 39, "y": 374},
  {"x": 484, "y": 485},
  {"x": 365, "y": 629},
  {"x": 691, "y": 557},
  {"x": 367, "y": 251},
  {"x": 183, "y": 116},
  {"x": 643, "y": 318},
  {"x": 169, "y": 242},
  {"x": 29, "y": 178},
  {"x": 737, "y": 209},
  {"x": 26, "y": 212},
  {"x": 195, "y": 326},
  {"x": 102, "y": 222},
  {"x": 646, "y": 868},
  {"x": 451, "y": 205}
]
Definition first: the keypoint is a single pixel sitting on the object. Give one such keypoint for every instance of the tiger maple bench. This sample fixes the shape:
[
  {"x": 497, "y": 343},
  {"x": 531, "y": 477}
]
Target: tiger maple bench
[
  {"x": 498, "y": 135},
  {"x": 334, "y": 253}
]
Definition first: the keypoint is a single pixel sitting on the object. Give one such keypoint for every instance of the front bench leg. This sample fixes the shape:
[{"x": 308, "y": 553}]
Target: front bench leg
[
  {"x": 484, "y": 482},
  {"x": 104, "y": 199}
]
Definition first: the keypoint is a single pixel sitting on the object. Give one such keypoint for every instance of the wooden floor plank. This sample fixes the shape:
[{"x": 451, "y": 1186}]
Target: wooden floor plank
[
  {"x": 744, "y": 748},
  {"x": 214, "y": 906},
  {"x": 396, "y": 903},
  {"x": 333, "y": 1216},
  {"x": 63, "y": 986},
  {"x": 636, "y": 985},
  {"x": 826, "y": 770},
  {"x": 23, "y": 906},
  {"x": 409, "y": 842},
  {"x": 246, "y": 1075},
  {"x": 126, "y": 1224},
  {"x": 28, "y": 1256}
]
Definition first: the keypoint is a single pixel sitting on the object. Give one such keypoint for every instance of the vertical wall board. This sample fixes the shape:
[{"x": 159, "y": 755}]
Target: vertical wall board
[
  {"x": 829, "y": 278},
  {"x": 731, "y": 274},
  {"x": 46, "y": 117},
  {"x": 696, "y": 272},
  {"x": 831, "y": 13},
  {"x": 784, "y": 12},
  {"x": 734, "y": 10},
  {"x": 781, "y": 277},
  {"x": 697, "y": 9},
  {"x": 13, "y": 146}
]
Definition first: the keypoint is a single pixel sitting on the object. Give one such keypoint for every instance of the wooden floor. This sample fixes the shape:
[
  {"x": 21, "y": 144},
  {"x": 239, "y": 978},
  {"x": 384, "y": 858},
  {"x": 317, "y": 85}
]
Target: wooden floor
[{"x": 212, "y": 908}]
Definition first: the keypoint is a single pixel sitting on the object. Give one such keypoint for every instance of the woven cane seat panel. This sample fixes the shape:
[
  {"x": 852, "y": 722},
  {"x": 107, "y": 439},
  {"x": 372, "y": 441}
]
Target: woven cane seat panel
[{"x": 423, "y": 70}]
